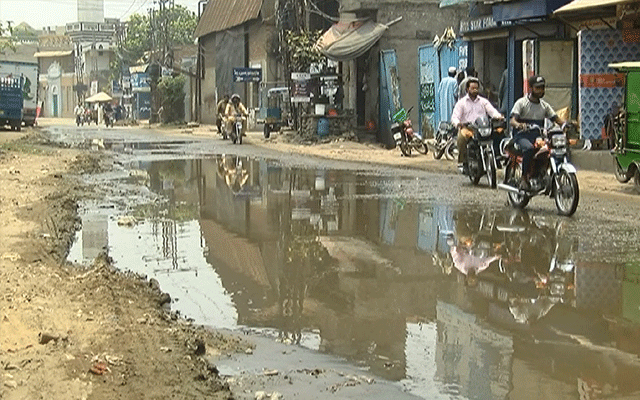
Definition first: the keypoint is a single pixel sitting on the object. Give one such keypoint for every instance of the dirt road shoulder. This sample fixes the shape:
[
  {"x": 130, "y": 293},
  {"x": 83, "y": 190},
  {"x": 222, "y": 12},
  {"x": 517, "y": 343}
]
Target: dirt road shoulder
[{"x": 72, "y": 333}]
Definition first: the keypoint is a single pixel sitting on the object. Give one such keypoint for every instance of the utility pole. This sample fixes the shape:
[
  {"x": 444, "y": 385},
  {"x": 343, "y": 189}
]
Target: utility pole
[{"x": 199, "y": 66}]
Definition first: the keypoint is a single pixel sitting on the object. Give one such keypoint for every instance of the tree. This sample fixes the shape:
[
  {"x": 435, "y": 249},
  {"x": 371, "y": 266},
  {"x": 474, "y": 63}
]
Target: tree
[
  {"x": 171, "y": 91},
  {"x": 136, "y": 45},
  {"x": 6, "y": 42},
  {"x": 302, "y": 50}
]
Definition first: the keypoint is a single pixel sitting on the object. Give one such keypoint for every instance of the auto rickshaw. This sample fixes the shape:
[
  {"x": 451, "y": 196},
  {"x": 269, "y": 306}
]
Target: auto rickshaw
[
  {"x": 277, "y": 110},
  {"x": 626, "y": 122}
]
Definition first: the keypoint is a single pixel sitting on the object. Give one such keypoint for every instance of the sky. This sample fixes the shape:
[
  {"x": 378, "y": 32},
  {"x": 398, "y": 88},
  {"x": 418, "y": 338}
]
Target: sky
[{"x": 41, "y": 13}]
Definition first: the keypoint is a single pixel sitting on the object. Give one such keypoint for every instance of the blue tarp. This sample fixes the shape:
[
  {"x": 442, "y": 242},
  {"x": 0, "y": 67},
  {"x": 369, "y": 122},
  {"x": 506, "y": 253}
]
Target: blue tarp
[{"x": 515, "y": 10}]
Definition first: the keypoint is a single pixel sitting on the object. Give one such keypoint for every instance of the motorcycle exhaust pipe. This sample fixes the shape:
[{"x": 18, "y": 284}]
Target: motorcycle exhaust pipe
[{"x": 510, "y": 188}]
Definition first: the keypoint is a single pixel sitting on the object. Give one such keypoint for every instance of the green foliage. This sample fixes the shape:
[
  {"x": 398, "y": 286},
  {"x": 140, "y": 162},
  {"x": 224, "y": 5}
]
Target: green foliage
[
  {"x": 137, "y": 42},
  {"x": 171, "y": 91},
  {"x": 6, "y": 41},
  {"x": 302, "y": 50}
]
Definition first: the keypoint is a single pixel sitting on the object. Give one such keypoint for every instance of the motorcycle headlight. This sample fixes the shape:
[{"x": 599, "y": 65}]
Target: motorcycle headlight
[
  {"x": 558, "y": 141},
  {"x": 484, "y": 132}
]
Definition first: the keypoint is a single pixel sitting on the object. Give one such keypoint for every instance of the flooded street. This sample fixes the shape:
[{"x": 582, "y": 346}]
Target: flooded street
[{"x": 404, "y": 276}]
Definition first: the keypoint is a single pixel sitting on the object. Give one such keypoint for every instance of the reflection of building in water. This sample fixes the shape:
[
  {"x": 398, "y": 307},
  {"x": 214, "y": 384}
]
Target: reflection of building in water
[
  {"x": 598, "y": 286},
  {"x": 95, "y": 235},
  {"x": 472, "y": 359}
]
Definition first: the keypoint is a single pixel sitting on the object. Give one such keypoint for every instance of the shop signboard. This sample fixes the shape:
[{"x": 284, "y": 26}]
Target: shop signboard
[
  {"x": 247, "y": 75},
  {"x": 300, "y": 87}
]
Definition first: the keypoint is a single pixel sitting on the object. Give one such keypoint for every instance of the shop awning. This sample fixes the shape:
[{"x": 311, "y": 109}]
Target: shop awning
[
  {"x": 99, "y": 98},
  {"x": 60, "y": 53},
  {"x": 587, "y": 6},
  {"x": 348, "y": 40},
  {"x": 626, "y": 66}
]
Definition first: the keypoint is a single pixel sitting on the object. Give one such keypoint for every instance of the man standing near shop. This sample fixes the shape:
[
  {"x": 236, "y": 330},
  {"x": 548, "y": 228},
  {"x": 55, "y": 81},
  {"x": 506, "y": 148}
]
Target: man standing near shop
[
  {"x": 467, "y": 110},
  {"x": 447, "y": 94}
]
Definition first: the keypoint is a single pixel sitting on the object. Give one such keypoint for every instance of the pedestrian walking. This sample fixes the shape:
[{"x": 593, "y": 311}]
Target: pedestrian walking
[{"x": 447, "y": 94}]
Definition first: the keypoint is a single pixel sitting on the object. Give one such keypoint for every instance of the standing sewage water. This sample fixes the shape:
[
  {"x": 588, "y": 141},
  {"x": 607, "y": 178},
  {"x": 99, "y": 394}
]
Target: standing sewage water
[{"x": 446, "y": 301}]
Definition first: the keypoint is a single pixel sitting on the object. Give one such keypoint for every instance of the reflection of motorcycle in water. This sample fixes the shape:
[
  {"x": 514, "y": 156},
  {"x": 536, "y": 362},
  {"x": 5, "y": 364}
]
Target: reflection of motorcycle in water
[
  {"x": 527, "y": 258},
  {"x": 539, "y": 266}
]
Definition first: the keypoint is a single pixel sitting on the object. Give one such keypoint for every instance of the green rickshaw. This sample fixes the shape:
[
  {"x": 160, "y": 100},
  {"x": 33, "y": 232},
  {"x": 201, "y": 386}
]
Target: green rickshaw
[
  {"x": 277, "y": 110},
  {"x": 626, "y": 126}
]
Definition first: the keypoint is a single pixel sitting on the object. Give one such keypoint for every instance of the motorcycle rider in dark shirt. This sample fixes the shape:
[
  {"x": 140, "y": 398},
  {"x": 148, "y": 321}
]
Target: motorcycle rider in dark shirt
[{"x": 531, "y": 109}]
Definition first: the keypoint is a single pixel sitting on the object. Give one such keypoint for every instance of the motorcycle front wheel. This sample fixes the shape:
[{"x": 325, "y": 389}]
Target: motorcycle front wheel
[
  {"x": 512, "y": 176},
  {"x": 567, "y": 193},
  {"x": 490, "y": 161},
  {"x": 437, "y": 154},
  {"x": 405, "y": 148},
  {"x": 451, "y": 150}
]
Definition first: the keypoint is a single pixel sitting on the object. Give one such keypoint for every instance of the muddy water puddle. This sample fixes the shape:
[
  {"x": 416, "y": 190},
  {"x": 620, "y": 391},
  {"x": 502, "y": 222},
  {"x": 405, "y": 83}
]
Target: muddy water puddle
[{"x": 446, "y": 300}]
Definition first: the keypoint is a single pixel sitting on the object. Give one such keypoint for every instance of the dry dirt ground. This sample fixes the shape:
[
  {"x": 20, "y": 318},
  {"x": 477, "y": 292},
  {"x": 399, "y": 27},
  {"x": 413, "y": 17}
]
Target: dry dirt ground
[{"x": 72, "y": 333}]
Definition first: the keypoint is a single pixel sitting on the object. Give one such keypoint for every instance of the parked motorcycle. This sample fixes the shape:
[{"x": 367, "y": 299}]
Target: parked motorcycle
[
  {"x": 481, "y": 155},
  {"x": 236, "y": 129},
  {"x": 444, "y": 141},
  {"x": 553, "y": 174},
  {"x": 404, "y": 135}
]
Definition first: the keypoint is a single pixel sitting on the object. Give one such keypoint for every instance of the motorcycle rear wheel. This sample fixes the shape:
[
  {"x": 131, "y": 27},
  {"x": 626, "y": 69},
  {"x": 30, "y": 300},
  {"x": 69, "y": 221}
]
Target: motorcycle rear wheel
[
  {"x": 621, "y": 176},
  {"x": 513, "y": 175},
  {"x": 420, "y": 146},
  {"x": 567, "y": 193}
]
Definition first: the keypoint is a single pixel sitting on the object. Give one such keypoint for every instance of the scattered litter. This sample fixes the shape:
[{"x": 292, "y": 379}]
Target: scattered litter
[
  {"x": 44, "y": 338},
  {"x": 99, "y": 368},
  {"x": 127, "y": 220},
  {"x": 11, "y": 256},
  {"x": 271, "y": 372}
]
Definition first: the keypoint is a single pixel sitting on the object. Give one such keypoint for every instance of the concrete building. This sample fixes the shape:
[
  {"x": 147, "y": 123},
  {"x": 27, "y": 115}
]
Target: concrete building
[{"x": 237, "y": 34}]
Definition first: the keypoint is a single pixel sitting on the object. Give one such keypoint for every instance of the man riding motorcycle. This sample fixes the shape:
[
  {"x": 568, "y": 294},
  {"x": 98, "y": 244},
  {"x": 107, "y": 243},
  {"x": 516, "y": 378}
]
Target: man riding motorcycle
[
  {"x": 79, "y": 112},
  {"x": 222, "y": 108},
  {"x": 530, "y": 109},
  {"x": 467, "y": 110},
  {"x": 235, "y": 107}
]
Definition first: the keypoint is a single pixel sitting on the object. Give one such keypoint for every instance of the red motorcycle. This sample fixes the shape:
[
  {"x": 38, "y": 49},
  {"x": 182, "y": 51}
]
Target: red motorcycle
[{"x": 404, "y": 135}]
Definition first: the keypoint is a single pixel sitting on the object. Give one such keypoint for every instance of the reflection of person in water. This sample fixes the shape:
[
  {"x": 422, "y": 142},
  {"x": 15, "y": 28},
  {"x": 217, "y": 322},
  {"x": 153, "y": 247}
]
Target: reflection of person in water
[
  {"x": 234, "y": 172},
  {"x": 469, "y": 259}
]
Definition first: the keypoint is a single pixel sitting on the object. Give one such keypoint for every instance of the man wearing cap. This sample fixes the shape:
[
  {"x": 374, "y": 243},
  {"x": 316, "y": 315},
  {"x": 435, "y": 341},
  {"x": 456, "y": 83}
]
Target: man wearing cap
[
  {"x": 531, "y": 109},
  {"x": 467, "y": 110},
  {"x": 447, "y": 94}
]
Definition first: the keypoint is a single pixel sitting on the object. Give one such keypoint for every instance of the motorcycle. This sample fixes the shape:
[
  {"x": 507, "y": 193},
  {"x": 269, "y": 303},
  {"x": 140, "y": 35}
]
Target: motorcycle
[
  {"x": 404, "y": 135},
  {"x": 236, "y": 129},
  {"x": 553, "y": 174},
  {"x": 108, "y": 119},
  {"x": 481, "y": 155},
  {"x": 444, "y": 141}
]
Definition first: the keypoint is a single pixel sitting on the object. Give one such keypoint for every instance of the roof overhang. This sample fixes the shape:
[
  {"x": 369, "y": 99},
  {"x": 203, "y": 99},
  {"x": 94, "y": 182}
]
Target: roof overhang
[
  {"x": 220, "y": 15},
  {"x": 589, "y": 8}
]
